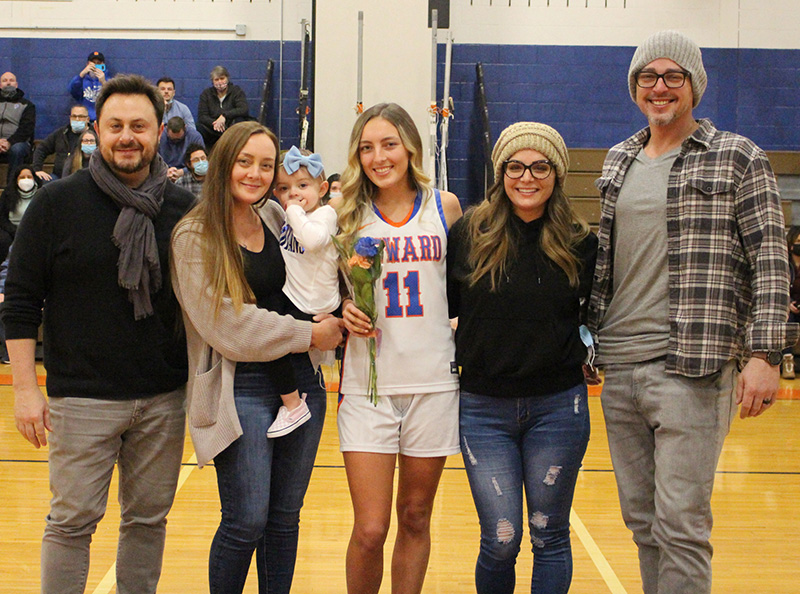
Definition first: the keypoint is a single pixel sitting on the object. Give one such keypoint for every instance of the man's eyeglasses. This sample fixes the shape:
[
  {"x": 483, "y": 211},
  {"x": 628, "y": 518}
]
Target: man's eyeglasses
[
  {"x": 79, "y": 117},
  {"x": 673, "y": 80},
  {"x": 539, "y": 169}
]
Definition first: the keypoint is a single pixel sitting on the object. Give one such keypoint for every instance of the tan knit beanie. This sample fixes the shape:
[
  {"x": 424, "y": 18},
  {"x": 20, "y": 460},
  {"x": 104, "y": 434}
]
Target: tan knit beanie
[
  {"x": 531, "y": 135},
  {"x": 676, "y": 47}
]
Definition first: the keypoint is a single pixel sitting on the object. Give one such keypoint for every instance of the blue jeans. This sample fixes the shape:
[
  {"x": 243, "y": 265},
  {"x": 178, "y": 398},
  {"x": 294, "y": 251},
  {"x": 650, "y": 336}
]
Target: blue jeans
[
  {"x": 262, "y": 482},
  {"x": 537, "y": 442}
]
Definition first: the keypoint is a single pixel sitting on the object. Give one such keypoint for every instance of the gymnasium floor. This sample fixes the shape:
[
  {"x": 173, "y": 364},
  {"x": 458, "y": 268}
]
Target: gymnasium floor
[{"x": 756, "y": 535}]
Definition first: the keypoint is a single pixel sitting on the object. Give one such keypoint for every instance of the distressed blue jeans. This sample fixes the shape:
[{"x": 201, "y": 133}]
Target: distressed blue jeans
[
  {"x": 538, "y": 443},
  {"x": 262, "y": 483}
]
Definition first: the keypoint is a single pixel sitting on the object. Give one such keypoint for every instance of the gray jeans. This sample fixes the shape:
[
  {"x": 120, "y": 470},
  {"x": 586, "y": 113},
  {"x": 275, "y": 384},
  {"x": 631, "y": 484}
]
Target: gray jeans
[
  {"x": 665, "y": 433},
  {"x": 145, "y": 438}
]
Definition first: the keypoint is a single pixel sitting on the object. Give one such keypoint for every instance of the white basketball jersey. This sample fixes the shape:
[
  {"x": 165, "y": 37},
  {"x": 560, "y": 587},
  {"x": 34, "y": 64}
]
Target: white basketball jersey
[{"x": 416, "y": 350}]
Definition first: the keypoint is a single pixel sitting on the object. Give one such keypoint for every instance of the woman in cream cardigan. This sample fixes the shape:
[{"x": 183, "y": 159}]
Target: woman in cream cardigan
[{"x": 228, "y": 275}]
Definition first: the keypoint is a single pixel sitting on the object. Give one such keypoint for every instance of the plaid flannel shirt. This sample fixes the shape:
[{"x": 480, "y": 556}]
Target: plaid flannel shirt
[{"x": 727, "y": 257}]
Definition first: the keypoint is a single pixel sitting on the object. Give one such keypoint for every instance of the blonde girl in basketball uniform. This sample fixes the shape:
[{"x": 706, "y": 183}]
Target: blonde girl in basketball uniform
[{"x": 414, "y": 425}]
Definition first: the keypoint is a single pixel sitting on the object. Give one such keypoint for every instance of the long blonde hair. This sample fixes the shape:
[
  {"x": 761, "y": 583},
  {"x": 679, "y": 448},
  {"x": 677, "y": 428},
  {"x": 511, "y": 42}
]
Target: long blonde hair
[
  {"x": 224, "y": 265},
  {"x": 358, "y": 192},
  {"x": 493, "y": 243}
]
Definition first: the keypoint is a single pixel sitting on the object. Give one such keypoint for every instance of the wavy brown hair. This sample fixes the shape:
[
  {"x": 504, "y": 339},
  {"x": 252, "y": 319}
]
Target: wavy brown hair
[
  {"x": 493, "y": 243},
  {"x": 212, "y": 218},
  {"x": 358, "y": 192}
]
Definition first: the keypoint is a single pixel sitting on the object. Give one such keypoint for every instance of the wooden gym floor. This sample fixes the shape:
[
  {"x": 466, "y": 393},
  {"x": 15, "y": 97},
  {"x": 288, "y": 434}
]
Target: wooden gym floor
[{"x": 756, "y": 534}]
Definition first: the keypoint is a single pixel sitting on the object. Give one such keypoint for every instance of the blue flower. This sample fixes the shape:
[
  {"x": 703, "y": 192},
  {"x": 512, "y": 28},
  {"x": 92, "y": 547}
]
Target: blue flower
[{"x": 367, "y": 247}]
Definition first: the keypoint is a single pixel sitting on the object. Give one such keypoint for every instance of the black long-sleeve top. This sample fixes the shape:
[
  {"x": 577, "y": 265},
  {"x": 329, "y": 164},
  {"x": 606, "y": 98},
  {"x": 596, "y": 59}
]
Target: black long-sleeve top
[
  {"x": 62, "y": 141},
  {"x": 522, "y": 339},
  {"x": 234, "y": 106},
  {"x": 65, "y": 261}
]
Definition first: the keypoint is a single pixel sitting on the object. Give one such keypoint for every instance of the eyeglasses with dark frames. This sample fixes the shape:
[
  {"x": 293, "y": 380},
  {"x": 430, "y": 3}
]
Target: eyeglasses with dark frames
[
  {"x": 674, "y": 79},
  {"x": 539, "y": 169}
]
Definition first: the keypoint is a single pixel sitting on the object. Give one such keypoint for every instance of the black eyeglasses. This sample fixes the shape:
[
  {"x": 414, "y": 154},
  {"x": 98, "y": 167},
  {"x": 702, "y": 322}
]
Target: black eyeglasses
[
  {"x": 539, "y": 169},
  {"x": 673, "y": 79}
]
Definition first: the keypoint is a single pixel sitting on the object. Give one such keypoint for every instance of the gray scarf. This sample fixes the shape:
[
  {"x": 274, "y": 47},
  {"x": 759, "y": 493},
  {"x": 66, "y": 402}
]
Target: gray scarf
[{"x": 138, "y": 267}]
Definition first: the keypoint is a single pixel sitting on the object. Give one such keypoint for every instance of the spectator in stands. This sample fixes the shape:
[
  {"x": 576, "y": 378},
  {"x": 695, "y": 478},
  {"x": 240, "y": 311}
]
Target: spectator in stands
[
  {"x": 17, "y": 123},
  {"x": 3, "y": 274},
  {"x": 173, "y": 107},
  {"x": 196, "y": 162},
  {"x": 86, "y": 85},
  {"x": 334, "y": 190},
  {"x": 14, "y": 202},
  {"x": 221, "y": 106},
  {"x": 175, "y": 138},
  {"x": 80, "y": 158},
  {"x": 92, "y": 250},
  {"x": 691, "y": 286},
  {"x": 62, "y": 142}
]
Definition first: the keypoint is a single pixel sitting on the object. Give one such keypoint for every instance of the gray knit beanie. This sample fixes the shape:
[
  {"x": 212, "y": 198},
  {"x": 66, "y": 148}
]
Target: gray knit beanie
[
  {"x": 531, "y": 135},
  {"x": 676, "y": 47}
]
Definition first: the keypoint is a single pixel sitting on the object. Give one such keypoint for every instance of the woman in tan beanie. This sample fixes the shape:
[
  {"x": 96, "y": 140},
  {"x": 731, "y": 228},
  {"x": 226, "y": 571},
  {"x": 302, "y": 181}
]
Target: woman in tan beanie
[{"x": 519, "y": 273}]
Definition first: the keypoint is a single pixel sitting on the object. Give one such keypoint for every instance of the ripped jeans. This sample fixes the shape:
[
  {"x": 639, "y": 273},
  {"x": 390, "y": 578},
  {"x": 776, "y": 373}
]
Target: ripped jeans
[{"x": 538, "y": 442}]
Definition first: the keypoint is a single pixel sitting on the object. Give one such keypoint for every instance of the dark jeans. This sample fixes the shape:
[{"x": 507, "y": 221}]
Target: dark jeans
[
  {"x": 538, "y": 443},
  {"x": 18, "y": 153},
  {"x": 262, "y": 482}
]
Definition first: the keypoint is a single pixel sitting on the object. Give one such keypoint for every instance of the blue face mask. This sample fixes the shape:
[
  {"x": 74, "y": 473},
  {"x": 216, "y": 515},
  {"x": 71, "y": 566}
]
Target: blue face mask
[
  {"x": 77, "y": 126},
  {"x": 201, "y": 168},
  {"x": 88, "y": 149}
]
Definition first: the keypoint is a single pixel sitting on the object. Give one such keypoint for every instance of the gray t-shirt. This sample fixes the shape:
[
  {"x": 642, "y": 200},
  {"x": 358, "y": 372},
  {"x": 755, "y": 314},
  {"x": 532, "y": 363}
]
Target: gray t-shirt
[{"x": 636, "y": 325}]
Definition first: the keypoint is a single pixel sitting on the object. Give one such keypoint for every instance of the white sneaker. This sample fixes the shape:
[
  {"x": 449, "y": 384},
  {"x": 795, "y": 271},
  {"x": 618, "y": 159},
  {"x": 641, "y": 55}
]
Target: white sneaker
[{"x": 289, "y": 420}]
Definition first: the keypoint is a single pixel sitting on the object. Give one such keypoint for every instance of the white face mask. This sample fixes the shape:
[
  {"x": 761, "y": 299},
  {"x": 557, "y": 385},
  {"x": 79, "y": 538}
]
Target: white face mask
[
  {"x": 335, "y": 194},
  {"x": 26, "y": 185}
]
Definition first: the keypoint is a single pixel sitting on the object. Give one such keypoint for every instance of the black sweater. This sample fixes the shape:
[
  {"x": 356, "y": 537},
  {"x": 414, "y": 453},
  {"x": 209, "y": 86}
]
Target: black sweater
[
  {"x": 64, "y": 259},
  {"x": 62, "y": 142},
  {"x": 522, "y": 339},
  {"x": 234, "y": 107}
]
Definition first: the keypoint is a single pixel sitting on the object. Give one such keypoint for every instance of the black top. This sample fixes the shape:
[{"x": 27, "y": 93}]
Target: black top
[
  {"x": 523, "y": 338},
  {"x": 65, "y": 261},
  {"x": 61, "y": 142},
  {"x": 265, "y": 272},
  {"x": 234, "y": 106}
]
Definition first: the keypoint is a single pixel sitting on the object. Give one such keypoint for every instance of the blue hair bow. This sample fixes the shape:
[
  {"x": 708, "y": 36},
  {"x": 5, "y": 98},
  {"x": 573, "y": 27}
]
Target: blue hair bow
[{"x": 294, "y": 159}]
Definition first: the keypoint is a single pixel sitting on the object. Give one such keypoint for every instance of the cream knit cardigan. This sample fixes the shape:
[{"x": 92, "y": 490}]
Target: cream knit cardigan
[{"x": 216, "y": 343}]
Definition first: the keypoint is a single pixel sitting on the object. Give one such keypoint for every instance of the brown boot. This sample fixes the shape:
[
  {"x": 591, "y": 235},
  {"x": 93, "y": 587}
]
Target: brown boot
[{"x": 787, "y": 366}]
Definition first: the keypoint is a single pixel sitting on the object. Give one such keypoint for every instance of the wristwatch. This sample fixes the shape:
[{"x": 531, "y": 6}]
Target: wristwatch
[{"x": 771, "y": 357}]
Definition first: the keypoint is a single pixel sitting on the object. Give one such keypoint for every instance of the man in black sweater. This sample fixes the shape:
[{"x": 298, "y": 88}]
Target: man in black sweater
[{"x": 91, "y": 259}]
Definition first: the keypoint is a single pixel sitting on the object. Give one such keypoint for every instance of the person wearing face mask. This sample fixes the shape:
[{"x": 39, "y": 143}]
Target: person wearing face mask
[
  {"x": 172, "y": 146},
  {"x": 80, "y": 157},
  {"x": 14, "y": 202},
  {"x": 17, "y": 122},
  {"x": 221, "y": 106},
  {"x": 334, "y": 190},
  {"x": 62, "y": 143},
  {"x": 86, "y": 85},
  {"x": 196, "y": 162}
]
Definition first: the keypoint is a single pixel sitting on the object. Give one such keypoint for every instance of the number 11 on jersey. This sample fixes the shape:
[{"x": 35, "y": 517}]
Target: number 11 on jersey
[{"x": 391, "y": 284}]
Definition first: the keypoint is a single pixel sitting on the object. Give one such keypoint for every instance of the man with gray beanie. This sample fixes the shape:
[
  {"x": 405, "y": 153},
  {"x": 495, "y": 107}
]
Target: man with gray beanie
[{"x": 689, "y": 307}]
